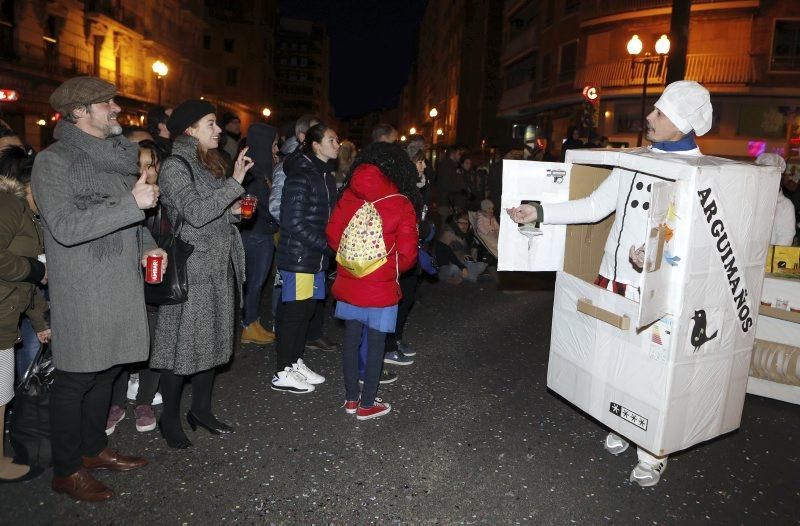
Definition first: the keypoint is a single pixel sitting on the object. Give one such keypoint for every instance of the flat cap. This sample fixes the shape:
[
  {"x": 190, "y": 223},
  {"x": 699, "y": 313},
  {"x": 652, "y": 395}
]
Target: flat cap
[
  {"x": 81, "y": 91},
  {"x": 187, "y": 113}
]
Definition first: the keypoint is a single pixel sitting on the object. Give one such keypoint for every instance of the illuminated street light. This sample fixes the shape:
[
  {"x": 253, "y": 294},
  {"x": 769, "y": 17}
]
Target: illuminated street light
[
  {"x": 662, "y": 45},
  {"x": 160, "y": 69},
  {"x": 634, "y": 47},
  {"x": 266, "y": 112},
  {"x": 433, "y": 113},
  {"x": 41, "y": 122},
  {"x": 412, "y": 131},
  {"x": 440, "y": 132},
  {"x": 403, "y": 137}
]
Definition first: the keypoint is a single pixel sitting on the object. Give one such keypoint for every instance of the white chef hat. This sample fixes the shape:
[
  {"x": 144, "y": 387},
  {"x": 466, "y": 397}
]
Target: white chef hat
[
  {"x": 688, "y": 106},
  {"x": 771, "y": 159}
]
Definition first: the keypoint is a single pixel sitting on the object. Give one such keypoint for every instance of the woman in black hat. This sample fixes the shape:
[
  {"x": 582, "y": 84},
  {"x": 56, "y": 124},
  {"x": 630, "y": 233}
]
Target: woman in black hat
[{"x": 195, "y": 337}]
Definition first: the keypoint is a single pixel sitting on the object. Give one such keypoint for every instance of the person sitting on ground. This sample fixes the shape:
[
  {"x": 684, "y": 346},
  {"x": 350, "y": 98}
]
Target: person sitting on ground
[
  {"x": 456, "y": 253},
  {"x": 488, "y": 229}
]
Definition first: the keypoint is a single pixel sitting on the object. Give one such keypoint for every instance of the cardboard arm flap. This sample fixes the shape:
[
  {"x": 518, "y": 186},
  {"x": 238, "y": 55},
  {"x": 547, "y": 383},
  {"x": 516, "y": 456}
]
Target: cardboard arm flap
[{"x": 622, "y": 322}]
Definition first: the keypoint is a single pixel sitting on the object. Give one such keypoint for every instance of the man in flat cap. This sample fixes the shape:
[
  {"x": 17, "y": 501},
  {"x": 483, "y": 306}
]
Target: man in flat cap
[
  {"x": 92, "y": 206},
  {"x": 683, "y": 112}
]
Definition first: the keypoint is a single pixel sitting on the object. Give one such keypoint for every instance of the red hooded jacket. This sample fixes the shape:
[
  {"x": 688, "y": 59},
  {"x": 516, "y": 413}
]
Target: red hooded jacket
[{"x": 381, "y": 287}]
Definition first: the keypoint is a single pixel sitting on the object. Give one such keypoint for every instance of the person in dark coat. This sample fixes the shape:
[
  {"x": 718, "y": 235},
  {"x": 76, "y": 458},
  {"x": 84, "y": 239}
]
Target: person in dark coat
[
  {"x": 309, "y": 195},
  {"x": 257, "y": 232},
  {"x": 92, "y": 212},
  {"x": 573, "y": 142},
  {"x": 194, "y": 337}
]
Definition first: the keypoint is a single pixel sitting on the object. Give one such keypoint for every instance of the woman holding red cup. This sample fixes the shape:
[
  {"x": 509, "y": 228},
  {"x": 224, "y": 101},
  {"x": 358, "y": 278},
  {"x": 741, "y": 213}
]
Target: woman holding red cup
[{"x": 195, "y": 337}]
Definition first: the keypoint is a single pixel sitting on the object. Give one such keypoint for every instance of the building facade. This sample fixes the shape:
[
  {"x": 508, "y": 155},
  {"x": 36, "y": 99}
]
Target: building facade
[
  {"x": 42, "y": 43},
  {"x": 302, "y": 70},
  {"x": 455, "y": 72},
  {"x": 745, "y": 52}
]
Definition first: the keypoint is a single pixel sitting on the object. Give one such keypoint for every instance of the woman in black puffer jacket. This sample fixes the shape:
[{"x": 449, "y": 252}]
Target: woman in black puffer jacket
[{"x": 309, "y": 195}]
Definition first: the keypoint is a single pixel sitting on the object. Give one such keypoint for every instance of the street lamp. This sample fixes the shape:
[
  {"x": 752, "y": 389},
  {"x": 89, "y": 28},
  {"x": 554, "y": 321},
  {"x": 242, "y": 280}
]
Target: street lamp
[
  {"x": 412, "y": 131},
  {"x": 440, "y": 132},
  {"x": 161, "y": 70},
  {"x": 433, "y": 113},
  {"x": 266, "y": 112},
  {"x": 634, "y": 48}
]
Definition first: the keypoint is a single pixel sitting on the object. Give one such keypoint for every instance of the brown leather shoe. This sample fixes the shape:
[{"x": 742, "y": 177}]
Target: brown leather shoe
[
  {"x": 113, "y": 460},
  {"x": 82, "y": 486}
]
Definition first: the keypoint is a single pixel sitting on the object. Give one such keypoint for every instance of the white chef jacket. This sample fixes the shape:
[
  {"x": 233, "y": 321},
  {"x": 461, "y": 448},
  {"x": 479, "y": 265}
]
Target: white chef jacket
[{"x": 627, "y": 192}]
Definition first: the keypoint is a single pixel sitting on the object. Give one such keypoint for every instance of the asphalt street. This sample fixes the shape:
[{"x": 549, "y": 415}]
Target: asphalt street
[{"x": 475, "y": 437}]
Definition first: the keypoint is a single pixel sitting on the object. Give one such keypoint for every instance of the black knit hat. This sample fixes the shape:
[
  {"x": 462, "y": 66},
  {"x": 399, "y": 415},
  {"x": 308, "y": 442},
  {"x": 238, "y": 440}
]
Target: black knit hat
[{"x": 187, "y": 113}]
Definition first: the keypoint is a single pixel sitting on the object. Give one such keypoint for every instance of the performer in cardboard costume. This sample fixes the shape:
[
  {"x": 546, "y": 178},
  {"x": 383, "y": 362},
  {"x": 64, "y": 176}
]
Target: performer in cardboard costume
[{"x": 683, "y": 112}]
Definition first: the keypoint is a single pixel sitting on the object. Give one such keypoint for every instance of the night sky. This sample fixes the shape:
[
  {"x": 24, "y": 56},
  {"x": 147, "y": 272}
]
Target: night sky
[{"x": 372, "y": 48}]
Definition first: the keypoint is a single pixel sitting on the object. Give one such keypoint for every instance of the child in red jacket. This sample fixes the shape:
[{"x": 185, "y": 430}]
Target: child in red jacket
[{"x": 382, "y": 174}]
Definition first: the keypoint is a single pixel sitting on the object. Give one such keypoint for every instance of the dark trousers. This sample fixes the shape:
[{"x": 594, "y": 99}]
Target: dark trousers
[
  {"x": 148, "y": 385},
  {"x": 148, "y": 378},
  {"x": 408, "y": 286},
  {"x": 172, "y": 389},
  {"x": 315, "y": 325},
  {"x": 79, "y": 405},
  {"x": 376, "y": 341},
  {"x": 294, "y": 318},
  {"x": 258, "y": 251}
]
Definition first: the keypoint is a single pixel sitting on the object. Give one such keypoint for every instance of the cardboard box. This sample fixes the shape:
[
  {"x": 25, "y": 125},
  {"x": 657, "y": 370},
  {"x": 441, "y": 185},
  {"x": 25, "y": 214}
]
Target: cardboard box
[
  {"x": 638, "y": 367},
  {"x": 770, "y": 254},
  {"x": 786, "y": 260}
]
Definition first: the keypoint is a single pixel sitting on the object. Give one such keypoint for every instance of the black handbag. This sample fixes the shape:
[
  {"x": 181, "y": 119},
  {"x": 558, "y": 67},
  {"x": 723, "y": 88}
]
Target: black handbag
[
  {"x": 30, "y": 420},
  {"x": 174, "y": 286}
]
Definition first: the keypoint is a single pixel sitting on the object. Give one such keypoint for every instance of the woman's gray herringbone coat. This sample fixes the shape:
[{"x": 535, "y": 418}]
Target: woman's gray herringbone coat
[{"x": 198, "y": 335}]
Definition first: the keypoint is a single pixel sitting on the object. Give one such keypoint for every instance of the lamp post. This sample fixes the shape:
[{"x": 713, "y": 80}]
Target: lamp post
[
  {"x": 266, "y": 112},
  {"x": 634, "y": 49},
  {"x": 161, "y": 70}
]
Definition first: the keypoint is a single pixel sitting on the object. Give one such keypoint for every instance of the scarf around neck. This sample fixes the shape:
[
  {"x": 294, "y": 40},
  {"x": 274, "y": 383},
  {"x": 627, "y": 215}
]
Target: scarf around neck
[
  {"x": 683, "y": 144},
  {"x": 97, "y": 158}
]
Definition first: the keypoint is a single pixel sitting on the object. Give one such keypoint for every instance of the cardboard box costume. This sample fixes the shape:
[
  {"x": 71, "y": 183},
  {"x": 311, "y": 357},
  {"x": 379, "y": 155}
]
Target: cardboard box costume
[{"x": 668, "y": 370}]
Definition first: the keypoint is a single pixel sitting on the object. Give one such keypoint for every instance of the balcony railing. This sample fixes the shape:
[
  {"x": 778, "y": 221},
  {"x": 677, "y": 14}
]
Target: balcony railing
[
  {"x": 516, "y": 96},
  {"x": 612, "y": 7},
  {"x": 525, "y": 41},
  {"x": 706, "y": 69}
]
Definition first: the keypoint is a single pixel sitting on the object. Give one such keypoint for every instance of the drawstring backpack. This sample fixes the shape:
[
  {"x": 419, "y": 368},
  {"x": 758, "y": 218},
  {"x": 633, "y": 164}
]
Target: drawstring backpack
[{"x": 362, "y": 250}]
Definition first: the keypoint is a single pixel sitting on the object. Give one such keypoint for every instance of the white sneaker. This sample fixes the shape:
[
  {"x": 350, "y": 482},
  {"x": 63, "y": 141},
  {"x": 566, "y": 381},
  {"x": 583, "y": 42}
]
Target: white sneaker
[
  {"x": 615, "y": 444},
  {"x": 311, "y": 377},
  {"x": 133, "y": 386},
  {"x": 291, "y": 381},
  {"x": 646, "y": 474},
  {"x": 157, "y": 400}
]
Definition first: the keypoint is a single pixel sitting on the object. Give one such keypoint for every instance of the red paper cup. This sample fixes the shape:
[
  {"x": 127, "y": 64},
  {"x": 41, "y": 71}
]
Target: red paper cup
[
  {"x": 248, "y": 205},
  {"x": 153, "y": 275}
]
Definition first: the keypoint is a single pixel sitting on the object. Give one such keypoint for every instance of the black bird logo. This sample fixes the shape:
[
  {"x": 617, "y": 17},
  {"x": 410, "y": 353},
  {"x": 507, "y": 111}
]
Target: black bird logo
[{"x": 699, "y": 336}]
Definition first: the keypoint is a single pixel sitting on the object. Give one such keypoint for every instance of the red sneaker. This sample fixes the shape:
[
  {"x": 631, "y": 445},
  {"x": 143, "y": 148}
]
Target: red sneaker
[
  {"x": 350, "y": 406},
  {"x": 377, "y": 410}
]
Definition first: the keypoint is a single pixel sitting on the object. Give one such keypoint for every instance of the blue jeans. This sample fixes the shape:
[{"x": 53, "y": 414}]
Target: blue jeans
[
  {"x": 376, "y": 341},
  {"x": 27, "y": 350},
  {"x": 258, "y": 251}
]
